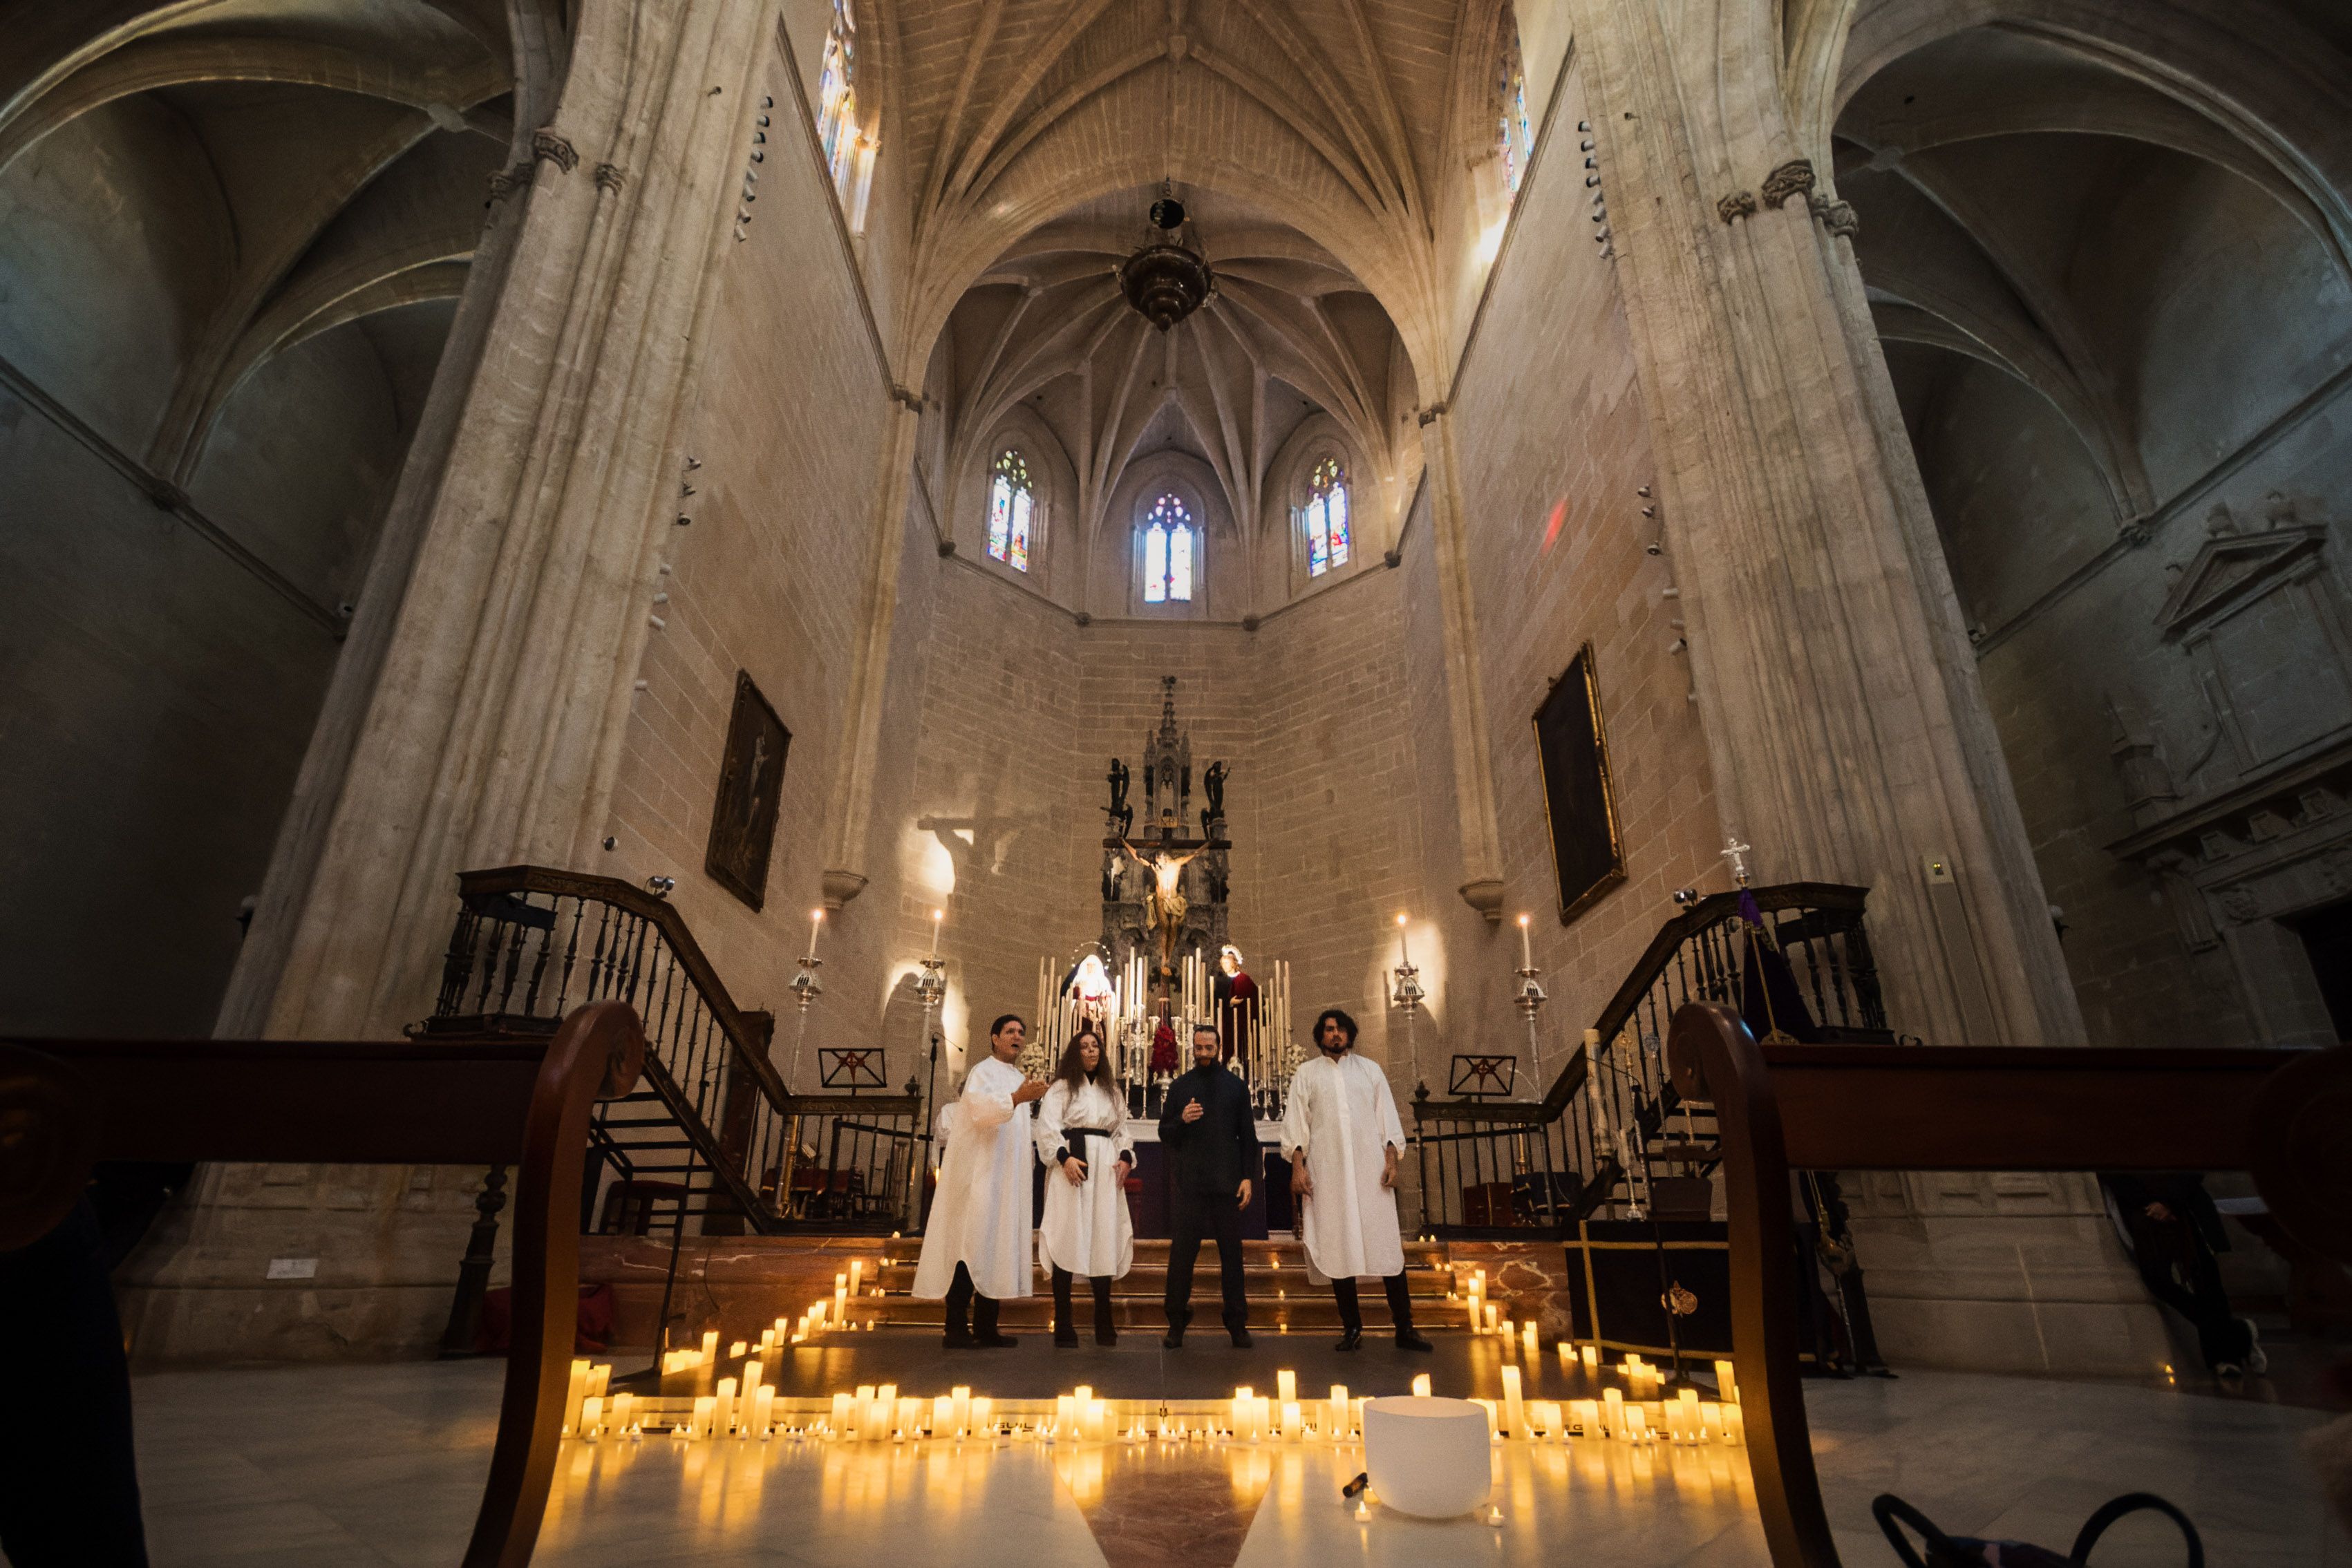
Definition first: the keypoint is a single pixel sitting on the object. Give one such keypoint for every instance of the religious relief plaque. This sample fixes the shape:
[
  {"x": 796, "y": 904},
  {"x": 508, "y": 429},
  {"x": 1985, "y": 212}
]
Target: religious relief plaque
[
  {"x": 1579, "y": 804},
  {"x": 750, "y": 788}
]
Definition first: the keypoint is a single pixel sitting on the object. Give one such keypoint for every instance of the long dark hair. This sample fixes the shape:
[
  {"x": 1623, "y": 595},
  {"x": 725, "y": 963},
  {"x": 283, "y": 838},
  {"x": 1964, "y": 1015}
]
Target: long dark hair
[
  {"x": 1333, "y": 1015},
  {"x": 1072, "y": 1072}
]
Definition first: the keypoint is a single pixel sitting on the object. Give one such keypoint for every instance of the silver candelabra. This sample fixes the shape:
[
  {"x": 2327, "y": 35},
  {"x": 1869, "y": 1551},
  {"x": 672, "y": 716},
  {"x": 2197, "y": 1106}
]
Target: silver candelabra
[
  {"x": 1530, "y": 999},
  {"x": 1408, "y": 998},
  {"x": 806, "y": 987}
]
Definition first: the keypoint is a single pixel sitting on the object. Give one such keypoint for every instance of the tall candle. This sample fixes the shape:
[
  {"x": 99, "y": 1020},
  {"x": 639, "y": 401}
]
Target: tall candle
[
  {"x": 961, "y": 1397},
  {"x": 937, "y": 915},
  {"x": 1585, "y": 1416},
  {"x": 1693, "y": 1428},
  {"x": 1613, "y": 1406},
  {"x": 591, "y": 1416},
  {"x": 1421, "y": 1385},
  {"x": 840, "y": 1414},
  {"x": 1290, "y": 1419},
  {"x": 1339, "y": 1431},
  {"x": 1515, "y": 1415},
  {"x": 816, "y": 923},
  {"x": 1404, "y": 952},
  {"x": 885, "y": 1404},
  {"x": 763, "y": 1411},
  {"x": 1065, "y": 1417},
  {"x": 856, "y": 1276},
  {"x": 1726, "y": 1384},
  {"x": 943, "y": 1414},
  {"x": 984, "y": 1415},
  {"x": 1527, "y": 952},
  {"x": 1285, "y": 1386},
  {"x": 621, "y": 1410}
]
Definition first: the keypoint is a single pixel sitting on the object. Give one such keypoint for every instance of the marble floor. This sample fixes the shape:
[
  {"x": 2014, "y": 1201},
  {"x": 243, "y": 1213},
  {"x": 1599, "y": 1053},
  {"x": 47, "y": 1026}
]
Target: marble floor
[{"x": 376, "y": 1465}]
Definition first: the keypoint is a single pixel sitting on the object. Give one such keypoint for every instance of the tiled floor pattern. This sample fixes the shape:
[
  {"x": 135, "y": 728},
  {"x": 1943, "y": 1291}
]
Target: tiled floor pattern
[{"x": 379, "y": 1464}]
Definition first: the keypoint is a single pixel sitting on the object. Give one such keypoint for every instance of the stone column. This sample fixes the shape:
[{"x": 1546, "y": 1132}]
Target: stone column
[
  {"x": 852, "y": 810},
  {"x": 1465, "y": 697},
  {"x": 491, "y": 731},
  {"x": 1848, "y": 735}
]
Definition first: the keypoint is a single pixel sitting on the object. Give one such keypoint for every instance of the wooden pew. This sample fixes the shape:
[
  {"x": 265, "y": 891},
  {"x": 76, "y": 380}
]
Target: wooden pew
[
  {"x": 526, "y": 1103},
  {"x": 2277, "y": 1114}
]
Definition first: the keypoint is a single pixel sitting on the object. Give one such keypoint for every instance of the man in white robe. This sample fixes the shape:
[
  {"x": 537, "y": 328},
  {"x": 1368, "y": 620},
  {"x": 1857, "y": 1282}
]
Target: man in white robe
[
  {"x": 976, "y": 1247},
  {"x": 1341, "y": 1136}
]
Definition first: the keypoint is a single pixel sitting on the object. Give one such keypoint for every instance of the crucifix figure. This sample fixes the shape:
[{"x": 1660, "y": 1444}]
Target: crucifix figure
[
  {"x": 1168, "y": 905},
  {"x": 1735, "y": 851}
]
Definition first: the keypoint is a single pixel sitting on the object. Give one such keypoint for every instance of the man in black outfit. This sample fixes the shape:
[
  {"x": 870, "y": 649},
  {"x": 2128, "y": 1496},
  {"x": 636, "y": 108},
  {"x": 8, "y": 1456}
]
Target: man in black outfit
[{"x": 1212, "y": 1150}]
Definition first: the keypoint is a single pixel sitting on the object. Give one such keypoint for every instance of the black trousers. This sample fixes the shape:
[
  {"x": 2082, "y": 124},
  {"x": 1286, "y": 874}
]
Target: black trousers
[
  {"x": 69, "y": 1481},
  {"x": 1211, "y": 1214},
  {"x": 1351, "y": 1309},
  {"x": 964, "y": 1297},
  {"x": 1065, "y": 1324},
  {"x": 2179, "y": 1270}
]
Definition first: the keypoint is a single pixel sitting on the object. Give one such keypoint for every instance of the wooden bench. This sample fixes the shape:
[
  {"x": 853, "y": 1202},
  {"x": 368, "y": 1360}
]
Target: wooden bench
[
  {"x": 522, "y": 1102},
  {"x": 2280, "y": 1114}
]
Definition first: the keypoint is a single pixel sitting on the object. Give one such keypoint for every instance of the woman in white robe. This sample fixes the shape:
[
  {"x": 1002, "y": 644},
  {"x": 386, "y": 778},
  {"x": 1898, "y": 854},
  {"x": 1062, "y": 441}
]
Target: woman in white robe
[
  {"x": 1342, "y": 1136},
  {"x": 1083, "y": 1140},
  {"x": 977, "y": 1241}
]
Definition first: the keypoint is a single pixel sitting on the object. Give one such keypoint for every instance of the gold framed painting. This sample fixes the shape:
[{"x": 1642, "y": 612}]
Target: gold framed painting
[{"x": 1579, "y": 801}]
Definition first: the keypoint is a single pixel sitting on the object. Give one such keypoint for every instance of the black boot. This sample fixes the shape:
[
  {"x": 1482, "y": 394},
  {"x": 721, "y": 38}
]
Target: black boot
[
  {"x": 1351, "y": 1314},
  {"x": 1105, "y": 1331},
  {"x": 983, "y": 1324},
  {"x": 1400, "y": 1291},
  {"x": 957, "y": 1335},
  {"x": 1066, "y": 1333},
  {"x": 1174, "y": 1338}
]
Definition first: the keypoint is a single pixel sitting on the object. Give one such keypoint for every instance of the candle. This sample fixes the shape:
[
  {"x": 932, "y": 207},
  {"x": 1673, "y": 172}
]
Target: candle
[
  {"x": 1405, "y": 952},
  {"x": 1421, "y": 1385},
  {"x": 840, "y": 1300},
  {"x": 1591, "y": 1358},
  {"x": 1528, "y": 1335},
  {"x": 752, "y": 1372},
  {"x": 1515, "y": 1415},
  {"x": 1291, "y": 1419},
  {"x": 909, "y": 1423},
  {"x": 1692, "y": 1430},
  {"x": 1585, "y": 1416},
  {"x": 984, "y": 1415},
  {"x": 937, "y": 915},
  {"x": 1614, "y": 1409},
  {"x": 1098, "y": 1420},
  {"x": 1065, "y": 1417},
  {"x": 573, "y": 1392},
  {"x": 1735, "y": 1424},
  {"x": 723, "y": 1409},
  {"x": 840, "y": 1414},
  {"x": 1285, "y": 1386},
  {"x": 1339, "y": 1413},
  {"x": 709, "y": 1344},
  {"x": 591, "y": 1417},
  {"x": 1726, "y": 1384},
  {"x": 1527, "y": 952},
  {"x": 943, "y": 1414},
  {"x": 1711, "y": 1422},
  {"x": 816, "y": 923},
  {"x": 885, "y": 1406},
  {"x": 763, "y": 1410},
  {"x": 1543, "y": 1414},
  {"x": 700, "y": 1425},
  {"x": 959, "y": 1420},
  {"x": 1636, "y": 1425},
  {"x": 856, "y": 1276},
  {"x": 1493, "y": 1318},
  {"x": 621, "y": 1407}
]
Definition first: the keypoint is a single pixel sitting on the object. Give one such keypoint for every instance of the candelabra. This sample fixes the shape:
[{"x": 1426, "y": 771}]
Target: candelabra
[
  {"x": 806, "y": 987},
  {"x": 1530, "y": 999},
  {"x": 1408, "y": 998}
]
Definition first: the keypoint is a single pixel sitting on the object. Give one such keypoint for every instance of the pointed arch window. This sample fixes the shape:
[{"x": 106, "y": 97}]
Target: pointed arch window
[
  {"x": 1169, "y": 538},
  {"x": 1515, "y": 135},
  {"x": 836, "y": 94},
  {"x": 1326, "y": 516},
  {"x": 1011, "y": 504}
]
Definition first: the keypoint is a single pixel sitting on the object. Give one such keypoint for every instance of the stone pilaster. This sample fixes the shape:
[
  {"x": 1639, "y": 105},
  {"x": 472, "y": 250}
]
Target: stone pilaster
[{"x": 1465, "y": 699}]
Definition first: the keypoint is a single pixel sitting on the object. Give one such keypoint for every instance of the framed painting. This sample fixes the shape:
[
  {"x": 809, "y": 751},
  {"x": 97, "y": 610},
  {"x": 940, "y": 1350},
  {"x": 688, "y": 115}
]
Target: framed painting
[
  {"x": 750, "y": 788},
  {"x": 1579, "y": 803}
]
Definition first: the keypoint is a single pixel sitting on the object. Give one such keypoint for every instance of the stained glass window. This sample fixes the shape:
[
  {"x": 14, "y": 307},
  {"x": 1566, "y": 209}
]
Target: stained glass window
[
  {"x": 1515, "y": 136},
  {"x": 1009, "y": 501},
  {"x": 1327, "y": 517},
  {"x": 1168, "y": 552},
  {"x": 836, "y": 93}
]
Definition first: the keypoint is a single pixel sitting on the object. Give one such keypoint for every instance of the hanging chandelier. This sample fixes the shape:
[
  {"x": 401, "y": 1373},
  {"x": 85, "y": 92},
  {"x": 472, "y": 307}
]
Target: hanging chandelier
[{"x": 1166, "y": 279}]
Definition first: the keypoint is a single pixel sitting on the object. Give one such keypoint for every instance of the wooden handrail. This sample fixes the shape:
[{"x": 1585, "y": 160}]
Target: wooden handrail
[
  {"x": 1957, "y": 1108},
  {"x": 1833, "y": 897},
  {"x": 519, "y": 1102}
]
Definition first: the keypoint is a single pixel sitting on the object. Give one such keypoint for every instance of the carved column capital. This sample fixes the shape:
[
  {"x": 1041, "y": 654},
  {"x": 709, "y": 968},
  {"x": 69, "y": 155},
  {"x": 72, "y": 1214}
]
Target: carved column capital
[
  {"x": 1838, "y": 218},
  {"x": 545, "y": 143},
  {"x": 1794, "y": 178},
  {"x": 610, "y": 176},
  {"x": 507, "y": 181},
  {"x": 1737, "y": 205}
]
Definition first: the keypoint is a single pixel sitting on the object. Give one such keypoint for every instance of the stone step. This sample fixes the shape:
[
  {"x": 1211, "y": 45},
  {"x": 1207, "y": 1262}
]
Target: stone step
[
  {"x": 1286, "y": 1250},
  {"x": 1261, "y": 1279},
  {"x": 1313, "y": 1314}
]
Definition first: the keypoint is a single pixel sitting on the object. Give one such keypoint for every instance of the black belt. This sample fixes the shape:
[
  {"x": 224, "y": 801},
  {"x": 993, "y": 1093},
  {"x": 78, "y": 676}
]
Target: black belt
[{"x": 1070, "y": 1133}]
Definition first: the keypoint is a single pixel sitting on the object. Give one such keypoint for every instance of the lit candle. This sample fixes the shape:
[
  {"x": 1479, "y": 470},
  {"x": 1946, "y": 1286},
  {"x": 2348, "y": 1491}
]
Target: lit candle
[
  {"x": 840, "y": 1414},
  {"x": 1614, "y": 1407},
  {"x": 1098, "y": 1420},
  {"x": 1405, "y": 952},
  {"x": 856, "y": 1276},
  {"x": 1065, "y": 1417},
  {"x": 1291, "y": 1419},
  {"x": 1529, "y": 1335},
  {"x": 840, "y": 1299},
  {"x": 709, "y": 1344},
  {"x": 1592, "y": 1354},
  {"x": 1735, "y": 1424},
  {"x": 1527, "y": 952},
  {"x": 1711, "y": 1422},
  {"x": 885, "y": 1406},
  {"x": 573, "y": 1393},
  {"x": 700, "y": 1424},
  {"x": 1493, "y": 1318},
  {"x": 621, "y": 1407},
  {"x": 937, "y": 915},
  {"x": 1585, "y": 1414},
  {"x": 1338, "y": 1416},
  {"x": 1421, "y": 1385},
  {"x": 1285, "y": 1386},
  {"x": 1515, "y": 1415},
  {"x": 1543, "y": 1416},
  {"x": 1726, "y": 1384},
  {"x": 909, "y": 1423},
  {"x": 1692, "y": 1428},
  {"x": 723, "y": 1411},
  {"x": 764, "y": 1412},
  {"x": 961, "y": 1415},
  {"x": 591, "y": 1417},
  {"x": 943, "y": 1414},
  {"x": 1636, "y": 1427},
  {"x": 984, "y": 1415},
  {"x": 816, "y": 923}
]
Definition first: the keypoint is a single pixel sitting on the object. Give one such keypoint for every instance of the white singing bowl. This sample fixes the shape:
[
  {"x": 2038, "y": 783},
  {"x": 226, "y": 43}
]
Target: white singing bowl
[{"x": 1428, "y": 1458}]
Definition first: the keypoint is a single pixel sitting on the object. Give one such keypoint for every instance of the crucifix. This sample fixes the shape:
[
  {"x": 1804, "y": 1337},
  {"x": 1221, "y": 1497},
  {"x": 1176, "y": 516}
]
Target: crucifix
[{"x": 1736, "y": 853}]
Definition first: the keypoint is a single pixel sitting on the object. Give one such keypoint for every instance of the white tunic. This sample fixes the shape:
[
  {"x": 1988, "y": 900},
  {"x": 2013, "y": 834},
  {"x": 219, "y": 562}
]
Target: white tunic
[
  {"x": 1087, "y": 1229},
  {"x": 980, "y": 1215},
  {"x": 1341, "y": 1113}
]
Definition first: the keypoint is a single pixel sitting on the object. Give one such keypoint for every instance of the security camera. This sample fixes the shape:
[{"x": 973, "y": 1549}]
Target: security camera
[{"x": 1686, "y": 896}]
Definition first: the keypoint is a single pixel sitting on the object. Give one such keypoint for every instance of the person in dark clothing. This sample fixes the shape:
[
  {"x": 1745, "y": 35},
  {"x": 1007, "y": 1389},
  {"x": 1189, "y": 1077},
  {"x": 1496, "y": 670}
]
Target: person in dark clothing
[
  {"x": 70, "y": 1495},
  {"x": 2170, "y": 1223},
  {"x": 1212, "y": 1150}
]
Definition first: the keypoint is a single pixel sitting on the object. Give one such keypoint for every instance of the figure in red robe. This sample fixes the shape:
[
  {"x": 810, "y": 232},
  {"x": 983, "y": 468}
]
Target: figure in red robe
[{"x": 1236, "y": 996}]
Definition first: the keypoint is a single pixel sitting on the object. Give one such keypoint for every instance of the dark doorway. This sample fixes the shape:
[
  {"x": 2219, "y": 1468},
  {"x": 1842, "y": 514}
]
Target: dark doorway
[{"x": 2327, "y": 936}]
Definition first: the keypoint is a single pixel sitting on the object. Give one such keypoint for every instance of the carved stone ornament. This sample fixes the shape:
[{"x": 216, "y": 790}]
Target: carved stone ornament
[
  {"x": 546, "y": 144},
  {"x": 610, "y": 176},
  {"x": 1794, "y": 178},
  {"x": 1737, "y": 205},
  {"x": 507, "y": 181},
  {"x": 1838, "y": 218}
]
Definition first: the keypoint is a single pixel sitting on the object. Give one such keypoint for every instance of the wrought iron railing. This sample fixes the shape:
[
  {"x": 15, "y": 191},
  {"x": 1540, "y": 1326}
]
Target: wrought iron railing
[
  {"x": 1611, "y": 1130},
  {"x": 711, "y": 1133}
]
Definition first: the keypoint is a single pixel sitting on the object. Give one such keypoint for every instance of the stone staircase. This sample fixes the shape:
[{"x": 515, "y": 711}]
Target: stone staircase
[{"x": 1281, "y": 1293}]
